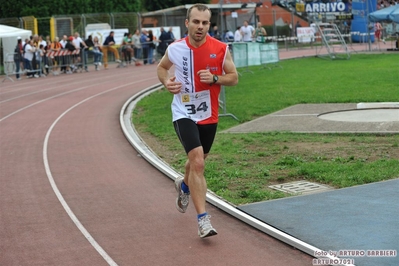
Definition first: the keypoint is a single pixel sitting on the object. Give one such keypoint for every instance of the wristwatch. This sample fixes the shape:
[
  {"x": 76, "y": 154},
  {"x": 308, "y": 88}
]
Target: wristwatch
[{"x": 215, "y": 79}]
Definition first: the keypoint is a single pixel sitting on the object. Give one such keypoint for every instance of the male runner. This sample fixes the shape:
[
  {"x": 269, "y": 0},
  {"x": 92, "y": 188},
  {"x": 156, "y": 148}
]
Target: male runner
[{"x": 202, "y": 65}]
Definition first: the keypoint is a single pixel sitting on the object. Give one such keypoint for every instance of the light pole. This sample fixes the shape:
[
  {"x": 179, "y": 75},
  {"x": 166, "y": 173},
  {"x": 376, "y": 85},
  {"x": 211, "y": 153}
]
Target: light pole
[
  {"x": 259, "y": 4},
  {"x": 221, "y": 19}
]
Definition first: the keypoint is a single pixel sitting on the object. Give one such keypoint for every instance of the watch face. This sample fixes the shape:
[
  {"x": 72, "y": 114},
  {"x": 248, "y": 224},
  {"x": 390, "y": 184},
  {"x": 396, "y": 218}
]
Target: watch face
[{"x": 215, "y": 78}]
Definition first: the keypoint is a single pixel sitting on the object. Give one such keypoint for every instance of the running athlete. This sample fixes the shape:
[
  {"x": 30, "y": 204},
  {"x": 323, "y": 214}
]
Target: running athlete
[{"x": 202, "y": 65}]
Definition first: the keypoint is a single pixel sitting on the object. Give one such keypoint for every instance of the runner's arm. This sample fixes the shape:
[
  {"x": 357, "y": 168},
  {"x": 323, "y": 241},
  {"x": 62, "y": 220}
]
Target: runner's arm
[
  {"x": 163, "y": 75},
  {"x": 230, "y": 78}
]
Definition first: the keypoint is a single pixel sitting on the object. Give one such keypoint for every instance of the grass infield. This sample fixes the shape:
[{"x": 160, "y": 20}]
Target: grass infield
[{"x": 240, "y": 167}]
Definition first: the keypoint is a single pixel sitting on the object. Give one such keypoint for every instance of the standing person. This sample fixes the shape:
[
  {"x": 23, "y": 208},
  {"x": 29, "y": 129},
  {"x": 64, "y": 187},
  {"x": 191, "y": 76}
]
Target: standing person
[
  {"x": 247, "y": 31},
  {"x": 82, "y": 47},
  {"x": 18, "y": 52},
  {"x": 297, "y": 25},
  {"x": 377, "y": 31},
  {"x": 171, "y": 36},
  {"x": 215, "y": 33},
  {"x": 151, "y": 47},
  {"x": 260, "y": 33},
  {"x": 144, "y": 40},
  {"x": 202, "y": 65},
  {"x": 55, "y": 46},
  {"x": 237, "y": 35},
  {"x": 163, "y": 44},
  {"x": 29, "y": 53},
  {"x": 108, "y": 45},
  {"x": 62, "y": 59},
  {"x": 137, "y": 45},
  {"x": 98, "y": 55},
  {"x": 128, "y": 47},
  {"x": 314, "y": 29}
]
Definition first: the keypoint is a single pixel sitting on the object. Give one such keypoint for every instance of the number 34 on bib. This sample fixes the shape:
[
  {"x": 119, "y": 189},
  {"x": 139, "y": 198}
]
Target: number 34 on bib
[{"x": 198, "y": 105}]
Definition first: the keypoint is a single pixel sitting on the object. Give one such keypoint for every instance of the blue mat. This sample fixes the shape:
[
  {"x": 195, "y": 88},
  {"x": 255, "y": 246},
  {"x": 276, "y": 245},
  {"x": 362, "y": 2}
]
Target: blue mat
[{"x": 363, "y": 218}]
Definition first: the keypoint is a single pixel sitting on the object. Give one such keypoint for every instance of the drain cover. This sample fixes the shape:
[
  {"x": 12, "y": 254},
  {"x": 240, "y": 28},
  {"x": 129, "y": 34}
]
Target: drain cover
[{"x": 300, "y": 187}]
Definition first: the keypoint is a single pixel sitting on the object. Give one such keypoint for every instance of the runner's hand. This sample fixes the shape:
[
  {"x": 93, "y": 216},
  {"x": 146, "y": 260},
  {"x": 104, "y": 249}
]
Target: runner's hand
[
  {"x": 205, "y": 76},
  {"x": 173, "y": 86}
]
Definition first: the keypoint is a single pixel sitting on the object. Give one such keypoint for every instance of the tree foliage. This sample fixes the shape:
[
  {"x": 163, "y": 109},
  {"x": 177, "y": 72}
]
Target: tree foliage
[{"x": 48, "y": 8}]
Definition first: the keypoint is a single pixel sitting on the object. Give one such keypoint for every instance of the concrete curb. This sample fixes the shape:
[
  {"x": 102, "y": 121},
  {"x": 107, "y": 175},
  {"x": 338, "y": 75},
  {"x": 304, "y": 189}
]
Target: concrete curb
[{"x": 133, "y": 137}]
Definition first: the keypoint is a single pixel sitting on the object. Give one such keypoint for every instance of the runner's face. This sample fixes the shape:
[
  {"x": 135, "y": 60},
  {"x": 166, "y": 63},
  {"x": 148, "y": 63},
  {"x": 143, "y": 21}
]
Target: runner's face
[{"x": 198, "y": 25}]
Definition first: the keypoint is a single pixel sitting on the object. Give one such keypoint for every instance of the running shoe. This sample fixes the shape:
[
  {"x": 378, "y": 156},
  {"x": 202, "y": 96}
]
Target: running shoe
[
  {"x": 182, "y": 199},
  {"x": 205, "y": 228}
]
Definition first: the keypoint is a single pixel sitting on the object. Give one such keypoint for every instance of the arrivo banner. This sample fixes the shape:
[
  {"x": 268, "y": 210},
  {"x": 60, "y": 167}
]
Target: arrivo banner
[{"x": 326, "y": 7}]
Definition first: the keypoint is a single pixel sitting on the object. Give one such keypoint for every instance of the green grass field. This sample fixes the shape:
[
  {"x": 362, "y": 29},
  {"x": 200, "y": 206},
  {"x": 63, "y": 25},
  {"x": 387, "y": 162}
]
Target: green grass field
[{"x": 242, "y": 166}]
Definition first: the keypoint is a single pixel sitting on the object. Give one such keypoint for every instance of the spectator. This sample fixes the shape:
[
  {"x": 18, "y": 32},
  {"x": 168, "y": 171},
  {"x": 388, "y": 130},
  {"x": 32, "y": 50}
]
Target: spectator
[
  {"x": 171, "y": 36},
  {"x": 70, "y": 67},
  {"x": 127, "y": 48},
  {"x": 80, "y": 45},
  {"x": 137, "y": 44},
  {"x": 260, "y": 33},
  {"x": 35, "y": 44},
  {"x": 64, "y": 41},
  {"x": 229, "y": 36},
  {"x": 55, "y": 46},
  {"x": 144, "y": 40},
  {"x": 18, "y": 59},
  {"x": 377, "y": 31},
  {"x": 151, "y": 47},
  {"x": 215, "y": 33},
  {"x": 98, "y": 55},
  {"x": 314, "y": 29},
  {"x": 29, "y": 52},
  {"x": 90, "y": 49},
  {"x": 109, "y": 45},
  {"x": 40, "y": 54},
  {"x": 297, "y": 25},
  {"x": 237, "y": 35},
  {"x": 163, "y": 42},
  {"x": 41, "y": 41},
  {"x": 62, "y": 59},
  {"x": 247, "y": 32}
]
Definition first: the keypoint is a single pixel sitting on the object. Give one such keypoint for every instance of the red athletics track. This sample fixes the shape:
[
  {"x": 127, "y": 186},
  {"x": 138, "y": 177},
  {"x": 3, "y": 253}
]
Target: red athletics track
[{"x": 66, "y": 129}]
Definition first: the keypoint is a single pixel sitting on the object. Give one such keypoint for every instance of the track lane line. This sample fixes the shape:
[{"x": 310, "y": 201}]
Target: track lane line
[{"x": 54, "y": 186}]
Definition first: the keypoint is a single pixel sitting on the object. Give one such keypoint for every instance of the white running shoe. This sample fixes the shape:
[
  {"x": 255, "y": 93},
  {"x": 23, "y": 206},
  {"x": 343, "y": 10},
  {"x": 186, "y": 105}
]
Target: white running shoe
[
  {"x": 182, "y": 199},
  {"x": 205, "y": 228}
]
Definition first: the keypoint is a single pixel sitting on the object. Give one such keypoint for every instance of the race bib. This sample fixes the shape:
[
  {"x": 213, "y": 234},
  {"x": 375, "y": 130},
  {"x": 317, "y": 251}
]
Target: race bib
[{"x": 198, "y": 105}]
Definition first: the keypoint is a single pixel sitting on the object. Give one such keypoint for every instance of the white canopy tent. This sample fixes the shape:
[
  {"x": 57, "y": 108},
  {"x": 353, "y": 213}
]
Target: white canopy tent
[
  {"x": 386, "y": 14},
  {"x": 8, "y": 40}
]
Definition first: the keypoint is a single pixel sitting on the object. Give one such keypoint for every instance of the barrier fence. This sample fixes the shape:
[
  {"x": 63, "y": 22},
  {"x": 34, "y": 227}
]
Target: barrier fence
[
  {"x": 65, "y": 61},
  {"x": 280, "y": 24}
]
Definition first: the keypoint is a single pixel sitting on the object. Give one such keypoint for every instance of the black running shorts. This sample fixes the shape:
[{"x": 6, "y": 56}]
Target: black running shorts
[{"x": 192, "y": 135}]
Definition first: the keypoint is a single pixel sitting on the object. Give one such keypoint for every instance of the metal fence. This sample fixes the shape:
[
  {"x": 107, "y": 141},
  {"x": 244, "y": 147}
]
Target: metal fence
[{"x": 278, "y": 22}]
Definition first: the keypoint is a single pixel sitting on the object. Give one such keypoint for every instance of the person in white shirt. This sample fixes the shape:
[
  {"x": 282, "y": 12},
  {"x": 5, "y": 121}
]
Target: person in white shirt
[
  {"x": 78, "y": 43},
  {"x": 63, "y": 42},
  {"x": 247, "y": 31},
  {"x": 237, "y": 35},
  {"x": 29, "y": 50},
  {"x": 41, "y": 41},
  {"x": 62, "y": 59}
]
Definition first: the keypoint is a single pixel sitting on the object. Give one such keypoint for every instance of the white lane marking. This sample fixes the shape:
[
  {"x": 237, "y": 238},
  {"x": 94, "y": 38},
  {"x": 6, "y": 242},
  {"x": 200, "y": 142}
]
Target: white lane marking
[
  {"x": 66, "y": 84},
  {"x": 49, "y": 98},
  {"x": 50, "y": 177}
]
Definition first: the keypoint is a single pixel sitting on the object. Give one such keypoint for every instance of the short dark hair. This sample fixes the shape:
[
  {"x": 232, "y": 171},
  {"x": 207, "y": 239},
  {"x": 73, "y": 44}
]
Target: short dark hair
[{"x": 200, "y": 7}]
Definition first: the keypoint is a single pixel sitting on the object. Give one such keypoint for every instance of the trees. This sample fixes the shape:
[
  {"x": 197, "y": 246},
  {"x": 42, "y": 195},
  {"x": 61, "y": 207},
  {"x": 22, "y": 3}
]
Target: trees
[{"x": 48, "y": 8}]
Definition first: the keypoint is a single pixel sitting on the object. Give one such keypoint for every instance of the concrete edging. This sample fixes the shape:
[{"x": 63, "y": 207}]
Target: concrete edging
[{"x": 133, "y": 137}]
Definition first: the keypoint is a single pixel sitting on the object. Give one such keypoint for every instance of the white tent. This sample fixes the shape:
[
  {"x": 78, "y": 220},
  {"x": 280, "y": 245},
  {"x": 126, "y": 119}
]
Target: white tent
[
  {"x": 8, "y": 39},
  {"x": 386, "y": 14}
]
